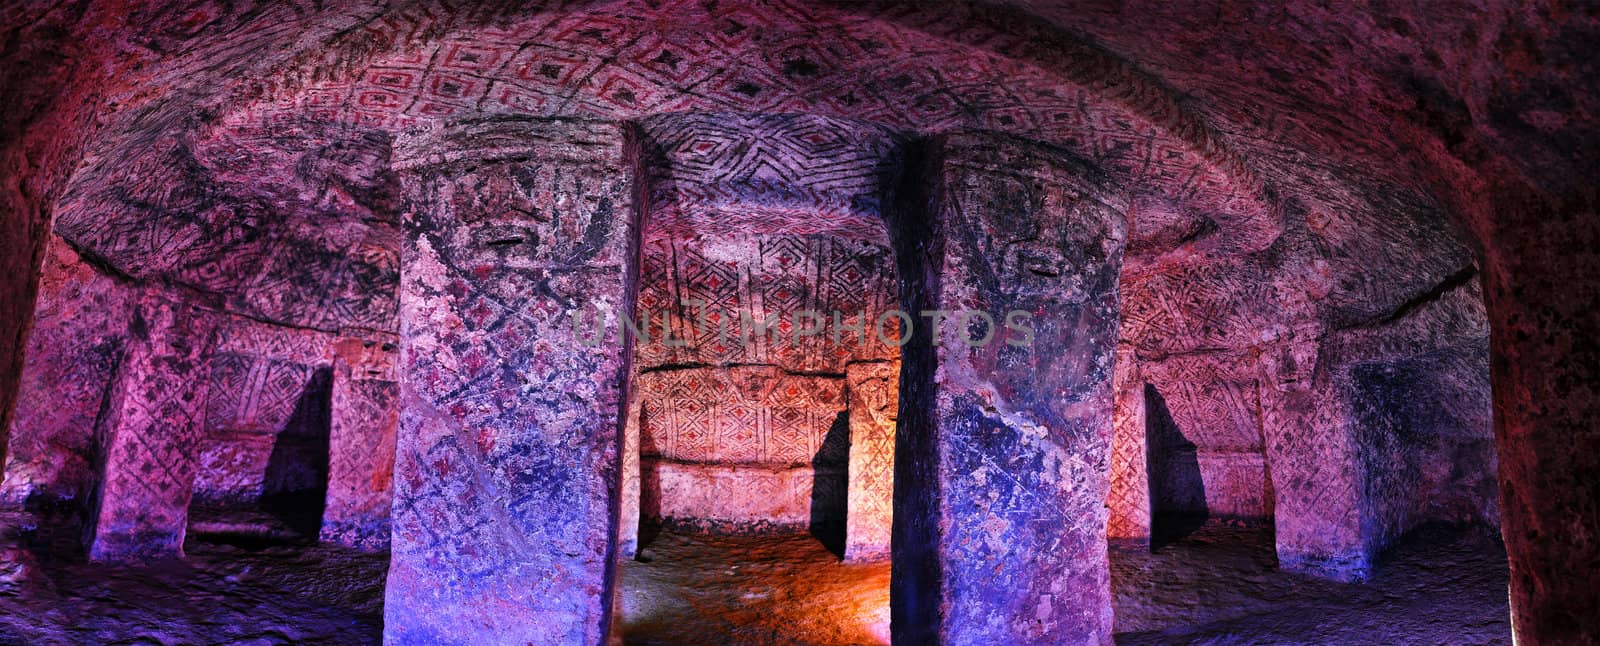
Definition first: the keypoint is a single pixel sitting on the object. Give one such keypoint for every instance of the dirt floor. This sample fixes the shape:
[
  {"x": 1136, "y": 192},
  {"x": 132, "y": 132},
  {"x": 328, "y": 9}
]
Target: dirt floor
[
  {"x": 1221, "y": 585},
  {"x": 1217, "y": 586},
  {"x": 696, "y": 589},
  {"x": 240, "y": 583}
]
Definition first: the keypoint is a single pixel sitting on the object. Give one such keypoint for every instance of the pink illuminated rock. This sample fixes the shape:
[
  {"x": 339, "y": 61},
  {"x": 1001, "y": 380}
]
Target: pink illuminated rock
[
  {"x": 628, "y": 507},
  {"x": 874, "y": 393},
  {"x": 1315, "y": 193},
  {"x": 506, "y": 462},
  {"x": 79, "y": 331},
  {"x": 267, "y": 411},
  {"x": 1316, "y": 474},
  {"x": 1003, "y": 450},
  {"x": 149, "y": 433},
  {"x": 741, "y": 449},
  {"x": 366, "y": 416},
  {"x": 1128, "y": 503}
]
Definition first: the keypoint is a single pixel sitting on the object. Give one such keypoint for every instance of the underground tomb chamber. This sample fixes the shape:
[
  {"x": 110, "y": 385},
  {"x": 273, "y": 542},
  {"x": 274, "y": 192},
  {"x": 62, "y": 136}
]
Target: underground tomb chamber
[{"x": 796, "y": 322}]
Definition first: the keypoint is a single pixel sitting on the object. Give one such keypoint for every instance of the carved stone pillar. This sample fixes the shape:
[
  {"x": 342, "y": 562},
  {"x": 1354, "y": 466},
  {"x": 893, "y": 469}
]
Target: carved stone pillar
[
  {"x": 1129, "y": 502},
  {"x": 506, "y": 468},
  {"x": 366, "y": 415},
  {"x": 148, "y": 433},
  {"x": 628, "y": 516},
  {"x": 1003, "y": 448},
  {"x": 1315, "y": 467},
  {"x": 874, "y": 399}
]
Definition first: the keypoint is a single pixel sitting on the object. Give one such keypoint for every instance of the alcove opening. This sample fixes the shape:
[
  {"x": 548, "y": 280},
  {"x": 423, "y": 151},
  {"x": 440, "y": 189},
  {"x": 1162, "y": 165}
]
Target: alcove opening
[{"x": 263, "y": 453}]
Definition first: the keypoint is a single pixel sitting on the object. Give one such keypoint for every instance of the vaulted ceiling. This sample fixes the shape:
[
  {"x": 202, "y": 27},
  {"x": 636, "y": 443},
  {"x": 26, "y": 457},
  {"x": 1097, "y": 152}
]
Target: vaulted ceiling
[{"x": 1284, "y": 171}]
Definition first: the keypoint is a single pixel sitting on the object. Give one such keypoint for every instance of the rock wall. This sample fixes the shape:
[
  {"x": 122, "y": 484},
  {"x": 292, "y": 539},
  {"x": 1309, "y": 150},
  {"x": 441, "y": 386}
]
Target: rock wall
[
  {"x": 718, "y": 397},
  {"x": 1420, "y": 406},
  {"x": 268, "y": 415},
  {"x": 506, "y": 459},
  {"x": 79, "y": 332},
  {"x": 262, "y": 432},
  {"x": 765, "y": 269},
  {"x": 147, "y": 438},
  {"x": 1258, "y": 123},
  {"x": 366, "y": 418},
  {"x": 1003, "y": 449},
  {"x": 741, "y": 448}
]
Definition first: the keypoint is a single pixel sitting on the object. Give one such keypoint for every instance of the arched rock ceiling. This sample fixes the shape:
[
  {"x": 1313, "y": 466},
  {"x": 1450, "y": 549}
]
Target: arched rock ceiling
[
  {"x": 712, "y": 174},
  {"x": 1236, "y": 227}
]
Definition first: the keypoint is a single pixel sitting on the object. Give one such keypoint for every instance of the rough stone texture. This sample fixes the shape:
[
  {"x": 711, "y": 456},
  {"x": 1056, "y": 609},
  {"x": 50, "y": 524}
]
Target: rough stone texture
[
  {"x": 739, "y": 448},
  {"x": 1128, "y": 500},
  {"x": 506, "y": 464},
  {"x": 1344, "y": 426},
  {"x": 736, "y": 498},
  {"x": 366, "y": 417},
  {"x": 873, "y": 390},
  {"x": 1330, "y": 145},
  {"x": 747, "y": 282},
  {"x": 322, "y": 137},
  {"x": 40, "y": 133},
  {"x": 148, "y": 434},
  {"x": 220, "y": 593},
  {"x": 316, "y": 248},
  {"x": 267, "y": 414},
  {"x": 79, "y": 330},
  {"x": 1417, "y": 390},
  {"x": 628, "y": 506},
  {"x": 1204, "y": 403},
  {"x": 1316, "y": 470},
  {"x": 1003, "y": 452},
  {"x": 720, "y": 174},
  {"x": 751, "y": 221},
  {"x": 1544, "y": 326},
  {"x": 1222, "y": 584}
]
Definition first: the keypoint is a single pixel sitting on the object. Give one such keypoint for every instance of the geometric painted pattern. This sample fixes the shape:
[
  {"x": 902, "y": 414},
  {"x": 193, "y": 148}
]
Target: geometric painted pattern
[
  {"x": 874, "y": 392},
  {"x": 1222, "y": 419},
  {"x": 322, "y": 134},
  {"x": 300, "y": 258},
  {"x": 266, "y": 382},
  {"x": 748, "y": 281},
  {"x": 737, "y": 415},
  {"x": 1128, "y": 499},
  {"x": 1009, "y": 461},
  {"x": 80, "y": 327},
  {"x": 1315, "y": 467},
  {"x": 635, "y": 59},
  {"x": 366, "y": 416},
  {"x": 736, "y": 174},
  {"x": 1196, "y": 305},
  {"x": 254, "y": 394},
  {"x": 505, "y": 460},
  {"x": 149, "y": 432}
]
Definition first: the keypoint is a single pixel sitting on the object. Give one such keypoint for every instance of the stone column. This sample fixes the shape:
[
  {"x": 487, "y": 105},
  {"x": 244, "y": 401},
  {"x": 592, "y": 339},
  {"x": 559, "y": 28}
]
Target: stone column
[
  {"x": 1129, "y": 502},
  {"x": 1541, "y": 286},
  {"x": 366, "y": 415},
  {"x": 1003, "y": 449},
  {"x": 1315, "y": 467},
  {"x": 874, "y": 399},
  {"x": 148, "y": 433},
  {"x": 628, "y": 515},
  {"x": 506, "y": 467}
]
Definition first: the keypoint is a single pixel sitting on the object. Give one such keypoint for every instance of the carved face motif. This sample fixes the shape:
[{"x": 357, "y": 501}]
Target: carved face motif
[
  {"x": 1032, "y": 239},
  {"x": 879, "y": 393},
  {"x": 526, "y": 215}
]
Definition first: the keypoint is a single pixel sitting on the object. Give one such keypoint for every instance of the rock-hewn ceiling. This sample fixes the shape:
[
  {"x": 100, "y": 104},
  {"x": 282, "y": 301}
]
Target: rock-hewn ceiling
[{"x": 261, "y": 176}]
